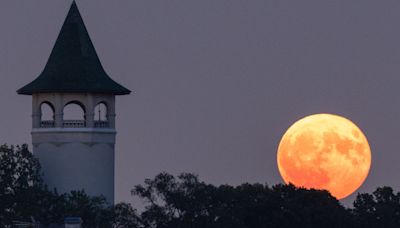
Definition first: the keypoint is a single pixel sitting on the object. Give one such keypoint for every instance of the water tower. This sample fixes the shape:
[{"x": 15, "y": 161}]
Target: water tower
[{"x": 75, "y": 153}]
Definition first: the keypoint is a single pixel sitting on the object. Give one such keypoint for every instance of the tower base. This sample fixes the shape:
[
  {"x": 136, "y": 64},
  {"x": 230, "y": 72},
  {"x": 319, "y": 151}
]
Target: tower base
[{"x": 76, "y": 159}]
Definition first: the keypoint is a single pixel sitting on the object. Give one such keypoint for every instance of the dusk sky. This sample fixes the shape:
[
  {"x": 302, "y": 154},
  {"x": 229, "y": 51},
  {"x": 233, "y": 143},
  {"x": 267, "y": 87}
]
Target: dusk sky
[{"x": 217, "y": 83}]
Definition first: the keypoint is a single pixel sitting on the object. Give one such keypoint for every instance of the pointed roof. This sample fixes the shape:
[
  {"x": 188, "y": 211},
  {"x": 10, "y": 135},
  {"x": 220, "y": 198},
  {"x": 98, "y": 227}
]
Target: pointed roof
[{"x": 73, "y": 65}]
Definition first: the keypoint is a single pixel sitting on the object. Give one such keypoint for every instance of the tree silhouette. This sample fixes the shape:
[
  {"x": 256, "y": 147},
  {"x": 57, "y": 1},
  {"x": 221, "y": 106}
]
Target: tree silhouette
[
  {"x": 23, "y": 194},
  {"x": 379, "y": 209},
  {"x": 186, "y": 202},
  {"x": 19, "y": 174}
]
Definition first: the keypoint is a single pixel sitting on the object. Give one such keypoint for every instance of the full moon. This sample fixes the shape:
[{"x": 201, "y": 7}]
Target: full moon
[{"x": 325, "y": 151}]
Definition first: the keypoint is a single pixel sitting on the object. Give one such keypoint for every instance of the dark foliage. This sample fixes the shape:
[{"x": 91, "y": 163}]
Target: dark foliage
[
  {"x": 23, "y": 194},
  {"x": 186, "y": 202},
  {"x": 125, "y": 216},
  {"x": 20, "y": 182},
  {"x": 379, "y": 209}
]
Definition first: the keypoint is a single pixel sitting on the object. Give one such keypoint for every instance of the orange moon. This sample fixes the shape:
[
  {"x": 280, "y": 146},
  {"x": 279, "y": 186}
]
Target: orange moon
[{"x": 325, "y": 151}]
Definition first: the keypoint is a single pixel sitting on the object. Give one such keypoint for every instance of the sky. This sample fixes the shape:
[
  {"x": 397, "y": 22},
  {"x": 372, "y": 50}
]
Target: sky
[{"x": 217, "y": 83}]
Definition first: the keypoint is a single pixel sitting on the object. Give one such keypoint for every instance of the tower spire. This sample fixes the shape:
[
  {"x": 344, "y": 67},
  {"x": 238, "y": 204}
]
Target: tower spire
[{"x": 73, "y": 65}]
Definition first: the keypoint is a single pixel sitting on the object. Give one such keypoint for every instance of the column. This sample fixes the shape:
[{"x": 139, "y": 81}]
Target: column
[
  {"x": 111, "y": 113},
  {"x": 89, "y": 112},
  {"x": 59, "y": 108},
  {"x": 36, "y": 112}
]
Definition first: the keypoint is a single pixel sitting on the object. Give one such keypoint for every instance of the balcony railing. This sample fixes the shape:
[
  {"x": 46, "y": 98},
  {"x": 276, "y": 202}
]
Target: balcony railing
[
  {"x": 74, "y": 123},
  {"x": 101, "y": 124},
  {"x": 47, "y": 123}
]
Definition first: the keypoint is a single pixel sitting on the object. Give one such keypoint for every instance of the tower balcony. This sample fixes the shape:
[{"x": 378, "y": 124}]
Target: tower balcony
[{"x": 73, "y": 110}]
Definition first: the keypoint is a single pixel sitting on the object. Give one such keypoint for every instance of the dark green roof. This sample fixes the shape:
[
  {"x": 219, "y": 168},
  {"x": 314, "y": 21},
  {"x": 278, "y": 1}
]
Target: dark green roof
[{"x": 73, "y": 65}]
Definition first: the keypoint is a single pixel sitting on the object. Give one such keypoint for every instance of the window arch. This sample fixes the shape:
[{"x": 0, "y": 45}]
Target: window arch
[
  {"x": 46, "y": 114},
  {"x": 74, "y": 114},
  {"x": 100, "y": 112},
  {"x": 100, "y": 115}
]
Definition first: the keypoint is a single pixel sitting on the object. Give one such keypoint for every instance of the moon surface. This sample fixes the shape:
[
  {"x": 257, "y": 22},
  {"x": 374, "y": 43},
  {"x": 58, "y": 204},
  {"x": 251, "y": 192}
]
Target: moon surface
[{"x": 325, "y": 151}]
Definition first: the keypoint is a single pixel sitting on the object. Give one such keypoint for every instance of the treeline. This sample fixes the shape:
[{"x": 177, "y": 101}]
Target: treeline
[{"x": 186, "y": 202}]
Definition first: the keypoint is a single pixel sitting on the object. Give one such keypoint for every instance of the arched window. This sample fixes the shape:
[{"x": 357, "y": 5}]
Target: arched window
[
  {"x": 100, "y": 112},
  {"x": 100, "y": 115},
  {"x": 46, "y": 115},
  {"x": 74, "y": 115}
]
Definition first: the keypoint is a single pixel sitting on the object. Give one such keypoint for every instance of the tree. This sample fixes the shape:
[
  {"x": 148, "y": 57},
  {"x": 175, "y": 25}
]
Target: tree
[
  {"x": 19, "y": 173},
  {"x": 125, "y": 216},
  {"x": 310, "y": 208},
  {"x": 23, "y": 194},
  {"x": 379, "y": 209},
  {"x": 187, "y": 202},
  {"x": 94, "y": 211}
]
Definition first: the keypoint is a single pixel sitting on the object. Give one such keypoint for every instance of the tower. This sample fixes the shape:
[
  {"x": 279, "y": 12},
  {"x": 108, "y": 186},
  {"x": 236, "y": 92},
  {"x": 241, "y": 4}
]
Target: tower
[{"x": 75, "y": 153}]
